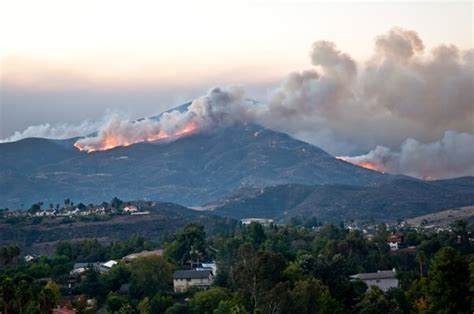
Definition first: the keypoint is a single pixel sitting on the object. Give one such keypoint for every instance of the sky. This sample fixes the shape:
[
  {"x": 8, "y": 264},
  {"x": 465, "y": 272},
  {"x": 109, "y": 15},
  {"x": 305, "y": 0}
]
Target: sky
[{"x": 67, "y": 61}]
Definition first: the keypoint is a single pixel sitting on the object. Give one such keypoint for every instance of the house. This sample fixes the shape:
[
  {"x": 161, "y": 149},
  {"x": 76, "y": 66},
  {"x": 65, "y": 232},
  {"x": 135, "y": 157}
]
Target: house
[
  {"x": 81, "y": 268},
  {"x": 384, "y": 279},
  {"x": 130, "y": 209},
  {"x": 394, "y": 240},
  {"x": 130, "y": 257},
  {"x": 262, "y": 221},
  {"x": 211, "y": 266},
  {"x": 105, "y": 267},
  {"x": 30, "y": 257},
  {"x": 185, "y": 279}
]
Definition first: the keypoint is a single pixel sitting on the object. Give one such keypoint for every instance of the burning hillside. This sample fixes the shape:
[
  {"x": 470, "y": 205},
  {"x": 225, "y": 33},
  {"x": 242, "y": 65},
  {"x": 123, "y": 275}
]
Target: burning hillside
[
  {"x": 364, "y": 163},
  {"x": 451, "y": 156},
  {"x": 135, "y": 132},
  {"x": 218, "y": 107}
]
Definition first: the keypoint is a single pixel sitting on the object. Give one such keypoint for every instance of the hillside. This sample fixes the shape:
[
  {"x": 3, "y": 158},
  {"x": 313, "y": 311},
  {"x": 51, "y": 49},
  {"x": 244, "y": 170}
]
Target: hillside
[
  {"x": 191, "y": 171},
  {"x": 399, "y": 197},
  {"x": 443, "y": 218},
  {"x": 40, "y": 235}
]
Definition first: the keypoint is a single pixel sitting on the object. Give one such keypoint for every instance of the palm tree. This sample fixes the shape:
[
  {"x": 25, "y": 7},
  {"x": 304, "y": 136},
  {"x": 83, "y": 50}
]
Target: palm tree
[
  {"x": 3, "y": 256},
  {"x": 421, "y": 257}
]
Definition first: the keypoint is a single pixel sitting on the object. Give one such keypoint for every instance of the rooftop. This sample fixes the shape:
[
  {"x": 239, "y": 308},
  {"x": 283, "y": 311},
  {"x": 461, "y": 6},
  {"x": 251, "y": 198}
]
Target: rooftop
[
  {"x": 191, "y": 274},
  {"x": 142, "y": 254},
  {"x": 381, "y": 274}
]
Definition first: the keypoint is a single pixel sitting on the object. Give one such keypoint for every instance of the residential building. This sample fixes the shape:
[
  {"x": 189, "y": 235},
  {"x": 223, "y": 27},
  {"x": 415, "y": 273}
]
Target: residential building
[
  {"x": 185, "y": 279},
  {"x": 394, "y": 241},
  {"x": 262, "y": 221},
  {"x": 384, "y": 279}
]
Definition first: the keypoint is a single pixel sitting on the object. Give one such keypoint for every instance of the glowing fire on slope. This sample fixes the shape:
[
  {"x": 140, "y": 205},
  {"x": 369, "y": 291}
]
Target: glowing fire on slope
[
  {"x": 110, "y": 140},
  {"x": 364, "y": 164}
]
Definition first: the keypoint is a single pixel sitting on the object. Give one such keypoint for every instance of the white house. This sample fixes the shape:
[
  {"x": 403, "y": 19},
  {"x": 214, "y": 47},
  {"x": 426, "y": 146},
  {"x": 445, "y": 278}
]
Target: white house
[
  {"x": 393, "y": 241},
  {"x": 185, "y": 279},
  {"x": 130, "y": 209},
  {"x": 262, "y": 221},
  {"x": 384, "y": 279}
]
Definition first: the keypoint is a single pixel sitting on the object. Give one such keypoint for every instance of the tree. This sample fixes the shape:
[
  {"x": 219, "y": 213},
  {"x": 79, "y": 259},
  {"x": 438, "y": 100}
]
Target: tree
[
  {"x": 256, "y": 273},
  {"x": 448, "y": 282},
  {"x": 205, "y": 302},
  {"x": 178, "y": 308},
  {"x": 144, "y": 306},
  {"x": 189, "y": 244},
  {"x": 22, "y": 295},
  {"x": 229, "y": 307},
  {"x": 115, "y": 302},
  {"x": 118, "y": 275},
  {"x": 329, "y": 305},
  {"x": 7, "y": 293},
  {"x": 116, "y": 203},
  {"x": 49, "y": 297},
  {"x": 160, "y": 303},
  {"x": 149, "y": 275},
  {"x": 420, "y": 258},
  {"x": 93, "y": 286},
  {"x": 305, "y": 295},
  {"x": 256, "y": 234},
  {"x": 375, "y": 301},
  {"x": 126, "y": 309}
]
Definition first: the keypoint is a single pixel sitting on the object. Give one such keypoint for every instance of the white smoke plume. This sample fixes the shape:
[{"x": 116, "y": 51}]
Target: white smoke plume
[
  {"x": 57, "y": 131},
  {"x": 402, "y": 92},
  {"x": 219, "y": 107},
  {"x": 451, "y": 156}
]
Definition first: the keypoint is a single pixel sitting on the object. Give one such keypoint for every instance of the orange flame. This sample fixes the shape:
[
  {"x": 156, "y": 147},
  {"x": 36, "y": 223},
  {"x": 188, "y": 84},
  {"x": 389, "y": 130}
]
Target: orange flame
[
  {"x": 370, "y": 165},
  {"x": 364, "y": 164},
  {"x": 110, "y": 141}
]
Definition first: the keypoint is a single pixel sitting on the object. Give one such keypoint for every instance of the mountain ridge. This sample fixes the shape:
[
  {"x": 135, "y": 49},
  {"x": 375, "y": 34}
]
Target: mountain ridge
[{"x": 192, "y": 170}]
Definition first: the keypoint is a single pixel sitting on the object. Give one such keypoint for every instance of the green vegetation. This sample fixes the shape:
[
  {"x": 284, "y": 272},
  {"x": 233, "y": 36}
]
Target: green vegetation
[{"x": 275, "y": 269}]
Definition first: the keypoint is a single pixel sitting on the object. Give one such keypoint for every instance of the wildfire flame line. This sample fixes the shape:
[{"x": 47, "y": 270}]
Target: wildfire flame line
[
  {"x": 364, "y": 164},
  {"x": 110, "y": 140}
]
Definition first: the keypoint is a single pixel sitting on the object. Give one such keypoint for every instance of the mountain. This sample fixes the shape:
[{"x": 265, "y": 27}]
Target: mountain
[
  {"x": 192, "y": 170},
  {"x": 391, "y": 199}
]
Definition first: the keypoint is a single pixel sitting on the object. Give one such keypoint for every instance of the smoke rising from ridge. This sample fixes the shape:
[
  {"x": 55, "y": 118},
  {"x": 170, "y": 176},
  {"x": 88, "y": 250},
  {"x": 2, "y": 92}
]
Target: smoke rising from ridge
[
  {"x": 449, "y": 157},
  {"x": 400, "y": 99},
  {"x": 58, "y": 131},
  {"x": 218, "y": 108}
]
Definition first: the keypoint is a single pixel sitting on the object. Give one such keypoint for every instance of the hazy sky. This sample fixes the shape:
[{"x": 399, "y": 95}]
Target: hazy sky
[{"x": 66, "y": 61}]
